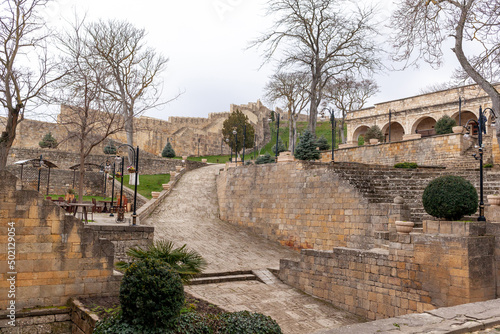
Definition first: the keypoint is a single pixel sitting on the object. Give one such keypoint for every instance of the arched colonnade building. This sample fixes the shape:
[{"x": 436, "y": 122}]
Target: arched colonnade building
[{"x": 415, "y": 117}]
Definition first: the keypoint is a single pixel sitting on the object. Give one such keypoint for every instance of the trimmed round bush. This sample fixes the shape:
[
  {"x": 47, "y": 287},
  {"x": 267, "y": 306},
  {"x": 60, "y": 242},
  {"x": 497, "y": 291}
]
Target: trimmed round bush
[
  {"x": 168, "y": 151},
  {"x": 249, "y": 323},
  {"x": 450, "y": 197},
  {"x": 445, "y": 125},
  {"x": 151, "y": 294},
  {"x": 264, "y": 159},
  {"x": 109, "y": 149}
]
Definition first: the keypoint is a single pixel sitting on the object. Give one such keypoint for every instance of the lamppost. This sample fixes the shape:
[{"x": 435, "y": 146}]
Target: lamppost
[
  {"x": 135, "y": 154},
  {"x": 481, "y": 124},
  {"x": 244, "y": 142},
  {"x": 276, "y": 148},
  {"x": 332, "y": 121},
  {"x": 112, "y": 191},
  {"x": 390, "y": 121},
  {"x": 235, "y": 146}
]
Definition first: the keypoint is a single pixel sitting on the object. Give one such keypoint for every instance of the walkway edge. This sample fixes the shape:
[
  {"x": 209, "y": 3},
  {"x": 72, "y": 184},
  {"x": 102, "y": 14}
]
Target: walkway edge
[{"x": 459, "y": 319}]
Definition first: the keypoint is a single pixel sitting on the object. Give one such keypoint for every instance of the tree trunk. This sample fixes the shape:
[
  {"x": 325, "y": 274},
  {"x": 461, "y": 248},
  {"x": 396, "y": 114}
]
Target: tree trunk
[
  {"x": 8, "y": 136},
  {"x": 129, "y": 130},
  {"x": 290, "y": 130},
  {"x": 81, "y": 174},
  {"x": 471, "y": 71},
  {"x": 313, "y": 109},
  {"x": 342, "y": 135}
]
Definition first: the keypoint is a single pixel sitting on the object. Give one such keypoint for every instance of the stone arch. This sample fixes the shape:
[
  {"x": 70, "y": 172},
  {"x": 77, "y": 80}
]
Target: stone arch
[
  {"x": 466, "y": 115},
  {"x": 360, "y": 130},
  {"x": 397, "y": 132},
  {"x": 425, "y": 126}
]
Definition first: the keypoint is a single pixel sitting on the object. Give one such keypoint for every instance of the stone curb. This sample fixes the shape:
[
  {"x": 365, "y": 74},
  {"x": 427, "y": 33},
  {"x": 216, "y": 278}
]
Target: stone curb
[{"x": 459, "y": 319}]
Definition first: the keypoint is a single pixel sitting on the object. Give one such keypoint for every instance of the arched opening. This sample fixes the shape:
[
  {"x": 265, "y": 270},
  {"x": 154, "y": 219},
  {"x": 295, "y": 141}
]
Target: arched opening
[
  {"x": 425, "y": 126},
  {"x": 397, "y": 132},
  {"x": 359, "y": 132},
  {"x": 464, "y": 117}
]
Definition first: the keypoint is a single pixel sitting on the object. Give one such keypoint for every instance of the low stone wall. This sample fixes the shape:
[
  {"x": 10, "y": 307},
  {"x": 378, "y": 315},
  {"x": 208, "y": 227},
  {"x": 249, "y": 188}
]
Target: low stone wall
[
  {"x": 443, "y": 150},
  {"x": 451, "y": 263},
  {"x": 83, "y": 320},
  {"x": 301, "y": 205},
  {"x": 46, "y": 320}
]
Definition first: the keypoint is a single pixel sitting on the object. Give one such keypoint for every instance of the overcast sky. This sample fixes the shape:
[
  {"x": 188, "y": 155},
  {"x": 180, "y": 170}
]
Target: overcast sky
[{"x": 206, "y": 42}]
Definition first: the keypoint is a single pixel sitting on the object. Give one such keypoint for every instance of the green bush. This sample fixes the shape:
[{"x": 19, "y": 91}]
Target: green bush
[
  {"x": 488, "y": 166},
  {"x": 444, "y": 125},
  {"x": 306, "y": 148},
  {"x": 109, "y": 149},
  {"x": 281, "y": 147},
  {"x": 373, "y": 133},
  {"x": 249, "y": 323},
  {"x": 168, "y": 151},
  {"x": 264, "y": 159},
  {"x": 406, "y": 165},
  {"x": 194, "y": 323},
  {"x": 151, "y": 294},
  {"x": 450, "y": 197},
  {"x": 361, "y": 140},
  {"x": 322, "y": 143},
  {"x": 48, "y": 141}
]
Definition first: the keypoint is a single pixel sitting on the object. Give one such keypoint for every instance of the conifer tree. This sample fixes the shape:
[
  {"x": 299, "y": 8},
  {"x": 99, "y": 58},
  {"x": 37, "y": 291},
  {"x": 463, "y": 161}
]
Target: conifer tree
[
  {"x": 168, "y": 151},
  {"x": 306, "y": 148}
]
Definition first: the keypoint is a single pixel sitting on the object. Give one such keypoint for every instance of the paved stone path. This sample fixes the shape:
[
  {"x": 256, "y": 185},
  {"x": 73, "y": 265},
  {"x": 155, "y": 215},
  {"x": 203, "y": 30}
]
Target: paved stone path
[{"x": 190, "y": 215}]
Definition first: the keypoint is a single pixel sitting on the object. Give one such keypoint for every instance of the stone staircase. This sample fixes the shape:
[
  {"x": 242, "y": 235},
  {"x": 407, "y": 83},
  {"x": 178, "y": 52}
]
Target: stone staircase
[
  {"x": 381, "y": 184},
  {"x": 224, "y": 277}
]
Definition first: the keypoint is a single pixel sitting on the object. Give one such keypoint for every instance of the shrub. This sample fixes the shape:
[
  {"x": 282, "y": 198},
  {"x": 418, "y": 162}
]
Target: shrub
[
  {"x": 168, "y": 151},
  {"x": 109, "y": 149},
  {"x": 444, "y": 125},
  {"x": 322, "y": 143},
  {"x": 373, "y": 133},
  {"x": 151, "y": 295},
  {"x": 406, "y": 165},
  {"x": 194, "y": 323},
  {"x": 264, "y": 159},
  {"x": 48, "y": 141},
  {"x": 281, "y": 146},
  {"x": 488, "y": 166},
  {"x": 450, "y": 197},
  {"x": 361, "y": 140},
  {"x": 306, "y": 148},
  {"x": 249, "y": 323}
]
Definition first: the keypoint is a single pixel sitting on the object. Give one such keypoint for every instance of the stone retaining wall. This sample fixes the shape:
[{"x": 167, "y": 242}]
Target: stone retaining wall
[
  {"x": 443, "y": 266},
  {"x": 300, "y": 205},
  {"x": 444, "y": 150},
  {"x": 56, "y": 256}
]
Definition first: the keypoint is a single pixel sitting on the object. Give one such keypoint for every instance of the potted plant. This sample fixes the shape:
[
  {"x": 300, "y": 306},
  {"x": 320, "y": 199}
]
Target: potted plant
[
  {"x": 70, "y": 195},
  {"x": 131, "y": 169},
  {"x": 118, "y": 174},
  {"x": 404, "y": 227}
]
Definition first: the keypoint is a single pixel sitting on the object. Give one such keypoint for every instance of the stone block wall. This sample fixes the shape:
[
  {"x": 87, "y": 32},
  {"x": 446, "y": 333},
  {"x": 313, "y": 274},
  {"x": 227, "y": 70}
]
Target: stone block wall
[
  {"x": 43, "y": 320},
  {"x": 300, "y": 205},
  {"x": 443, "y": 150},
  {"x": 56, "y": 256},
  {"x": 417, "y": 272}
]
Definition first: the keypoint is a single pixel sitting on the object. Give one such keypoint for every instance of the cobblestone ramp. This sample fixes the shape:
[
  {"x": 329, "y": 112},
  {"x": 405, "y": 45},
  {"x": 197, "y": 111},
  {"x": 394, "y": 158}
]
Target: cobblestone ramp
[{"x": 190, "y": 215}]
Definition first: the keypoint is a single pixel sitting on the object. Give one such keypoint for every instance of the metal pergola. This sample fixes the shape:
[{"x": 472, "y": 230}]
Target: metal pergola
[{"x": 32, "y": 171}]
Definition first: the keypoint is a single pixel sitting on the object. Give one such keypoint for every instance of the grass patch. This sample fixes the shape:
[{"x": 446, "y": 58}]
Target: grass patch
[{"x": 147, "y": 184}]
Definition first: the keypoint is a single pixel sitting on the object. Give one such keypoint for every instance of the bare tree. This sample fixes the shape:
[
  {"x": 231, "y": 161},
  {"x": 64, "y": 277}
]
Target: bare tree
[
  {"x": 25, "y": 69},
  {"x": 347, "y": 94},
  {"x": 423, "y": 26},
  {"x": 91, "y": 115},
  {"x": 135, "y": 68},
  {"x": 326, "y": 38},
  {"x": 290, "y": 89}
]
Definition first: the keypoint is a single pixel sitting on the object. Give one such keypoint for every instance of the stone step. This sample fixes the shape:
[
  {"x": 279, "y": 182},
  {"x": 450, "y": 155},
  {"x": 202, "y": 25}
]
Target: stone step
[{"x": 224, "y": 277}]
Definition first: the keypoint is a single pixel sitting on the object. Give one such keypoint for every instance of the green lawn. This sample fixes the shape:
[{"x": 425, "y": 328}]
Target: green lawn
[{"x": 148, "y": 183}]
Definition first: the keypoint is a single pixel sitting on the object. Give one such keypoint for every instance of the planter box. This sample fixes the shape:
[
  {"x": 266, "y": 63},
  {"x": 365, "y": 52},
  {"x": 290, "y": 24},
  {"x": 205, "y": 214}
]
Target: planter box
[
  {"x": 373, "y": 141},
  {"x": 166, "y": 186},
  {"x": 404, "y": 227},
  {"x": 204, "y": 161},
  {"x": 178, "y": 168},
  {"x": 494, "y": 199},
  {"x": 155, "y": 194},
  {"x": 458, "y": 129}
]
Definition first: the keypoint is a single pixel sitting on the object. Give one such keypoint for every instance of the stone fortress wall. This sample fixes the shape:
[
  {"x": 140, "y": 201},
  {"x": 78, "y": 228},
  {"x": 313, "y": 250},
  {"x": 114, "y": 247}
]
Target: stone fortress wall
[{"x": 189, "y": 136}]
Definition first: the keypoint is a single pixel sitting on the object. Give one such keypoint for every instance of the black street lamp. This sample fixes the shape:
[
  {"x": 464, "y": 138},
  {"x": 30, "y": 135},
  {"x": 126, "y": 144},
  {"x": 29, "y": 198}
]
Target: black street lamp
[
  {"x": 481, "y": 124},
  {"x": 112, "y": 191},
  {"x": 235, "y": 146},
  {"x": 332, "y": 121},
  {"x": 135, "y": 154},
  {"x": 244, "y": 142}
]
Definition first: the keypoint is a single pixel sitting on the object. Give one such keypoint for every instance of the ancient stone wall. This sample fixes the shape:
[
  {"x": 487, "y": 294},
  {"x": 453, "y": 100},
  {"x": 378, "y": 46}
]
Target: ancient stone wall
[
  {"x": 56, "y": 256},
  {"x": 300, "y": 205},
  {"x": 39, "y": 320},
  {"x": 449, "y": 264}
]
